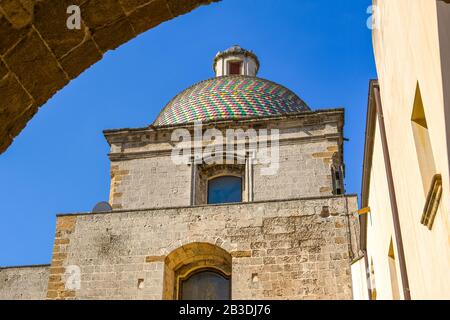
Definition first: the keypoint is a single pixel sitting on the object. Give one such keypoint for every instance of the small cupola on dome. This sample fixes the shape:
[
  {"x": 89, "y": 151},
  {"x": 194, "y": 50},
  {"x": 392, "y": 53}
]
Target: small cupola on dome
[
  {"x": 235, "y": 93},
  {"x": 236, "y": 61}
]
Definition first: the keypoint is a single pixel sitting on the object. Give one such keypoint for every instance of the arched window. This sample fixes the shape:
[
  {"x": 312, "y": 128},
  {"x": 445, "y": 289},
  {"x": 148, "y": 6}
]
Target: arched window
[
  {"x": 226, "y": 189},
  {"x": 205, "y": 285},
  {"x": 197, "y": 271}
]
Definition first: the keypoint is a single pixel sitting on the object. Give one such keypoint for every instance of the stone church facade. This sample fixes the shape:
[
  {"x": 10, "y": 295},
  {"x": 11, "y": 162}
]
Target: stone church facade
[{"x": 174, "y": 232}]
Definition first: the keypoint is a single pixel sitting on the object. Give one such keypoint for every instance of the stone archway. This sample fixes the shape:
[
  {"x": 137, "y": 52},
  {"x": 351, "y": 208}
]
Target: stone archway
[
  {"x": 39, "y": 54},
  {"x": 189, "y": 258}
]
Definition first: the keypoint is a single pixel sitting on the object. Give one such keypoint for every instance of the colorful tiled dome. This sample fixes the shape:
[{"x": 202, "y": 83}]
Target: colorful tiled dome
[{"x": 230, "y": 97}]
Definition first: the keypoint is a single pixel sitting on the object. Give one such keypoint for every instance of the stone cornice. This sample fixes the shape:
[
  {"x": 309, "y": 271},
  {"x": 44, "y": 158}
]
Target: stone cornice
[
  {"x": 124, "y": 156},
  {"x": 310, "y": 118},
  {"x": 318, "y": 198},
  {"x": 246, "y": 121}
]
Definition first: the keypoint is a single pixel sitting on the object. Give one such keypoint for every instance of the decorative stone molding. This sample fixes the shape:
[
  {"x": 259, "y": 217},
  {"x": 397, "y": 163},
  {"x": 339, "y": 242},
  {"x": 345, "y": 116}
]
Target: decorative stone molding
[
  {"x": 432, "y": 202},
  {"x": 208, "y": 172}
]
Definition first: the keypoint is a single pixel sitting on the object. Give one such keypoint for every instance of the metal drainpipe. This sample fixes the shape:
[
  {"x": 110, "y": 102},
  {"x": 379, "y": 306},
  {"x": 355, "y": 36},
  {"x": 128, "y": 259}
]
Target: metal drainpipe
[
  {"x": 349, "y": 226},
  {"x": 392, "y": 195}
]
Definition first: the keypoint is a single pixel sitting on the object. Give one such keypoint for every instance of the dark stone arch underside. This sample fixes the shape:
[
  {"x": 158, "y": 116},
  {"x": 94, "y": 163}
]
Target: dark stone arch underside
[{"x": 39, "y": 55}]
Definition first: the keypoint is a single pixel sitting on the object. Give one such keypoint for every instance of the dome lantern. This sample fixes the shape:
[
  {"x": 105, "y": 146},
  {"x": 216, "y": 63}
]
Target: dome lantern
[
  {"x": 235, "y": 93},
  {"x": 236, "y": 61}
]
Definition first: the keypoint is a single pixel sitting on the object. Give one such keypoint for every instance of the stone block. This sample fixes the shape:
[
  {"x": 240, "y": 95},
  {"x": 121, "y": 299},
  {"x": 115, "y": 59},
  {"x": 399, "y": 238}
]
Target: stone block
[
  {"x": 122, "y": 30},
  {"x": 150, "y": 15},
  {"x": 57, "y": 270},
  {"x": 10, "y": 35},
  {"x": 28, "y": 5},
  {"x": 182, "y": 7},
  {"x": 151, "y": 259},
  {"x": 322, "y": 154},
  {"x": 32, "y": 54},
  {"x": 241, "y": 254},
  {"x": 15, "y": 98},
  {"x": 130, "y": 5},
  {"x": 66, "y": 223},
  {"x": 16, "y": 13},
  {"x": 333, "y": 149},
  {"x": 3, "y": 69},
  {"x": 278, "y": 225},
  {"x": 50, "y": 20},
  {"x": 62, "y": 241},
  {"x": 98, "y": 13}
]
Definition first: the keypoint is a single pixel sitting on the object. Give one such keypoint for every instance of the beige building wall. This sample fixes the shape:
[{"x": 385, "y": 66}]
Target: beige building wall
[
  {"x": 411, "y": 49},
  {"x": 380, "y": 218},
  {"x": 359, "y": 284}
]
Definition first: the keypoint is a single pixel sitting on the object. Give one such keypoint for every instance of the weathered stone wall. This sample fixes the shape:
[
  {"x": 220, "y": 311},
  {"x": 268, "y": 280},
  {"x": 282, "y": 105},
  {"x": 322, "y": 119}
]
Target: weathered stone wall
[
  {"x": 143, "y": 174},
  {"x": 304, "y": 171},
  {"x": 39, "y": 55},
  {"x": 24, "y": 283},
  {"x": 280, "y": 250},
  {"x": 150, "y": 183}
]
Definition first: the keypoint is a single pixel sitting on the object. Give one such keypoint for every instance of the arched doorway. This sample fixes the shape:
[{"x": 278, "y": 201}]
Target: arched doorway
[
  {"x": 205, "y": 284},
  {"x": 197, "y": 271}
]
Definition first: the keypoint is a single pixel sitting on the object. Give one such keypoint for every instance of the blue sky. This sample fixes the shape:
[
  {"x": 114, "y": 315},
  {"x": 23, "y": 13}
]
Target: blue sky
[{"x": 320, "y": 49}]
